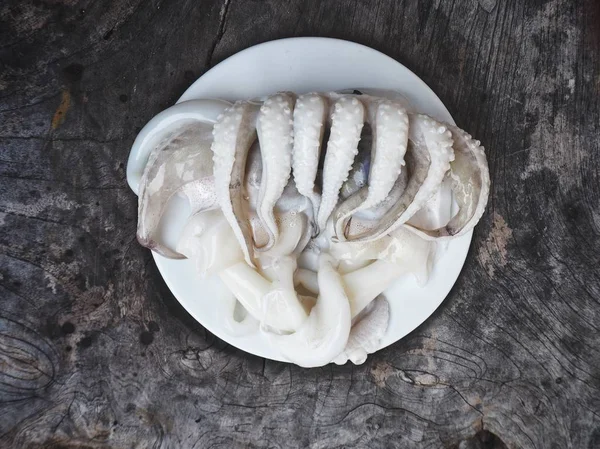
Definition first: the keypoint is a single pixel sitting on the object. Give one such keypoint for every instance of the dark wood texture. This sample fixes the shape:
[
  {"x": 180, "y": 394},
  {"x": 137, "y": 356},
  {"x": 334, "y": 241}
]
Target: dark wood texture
[{"x": 96, "y": 352}]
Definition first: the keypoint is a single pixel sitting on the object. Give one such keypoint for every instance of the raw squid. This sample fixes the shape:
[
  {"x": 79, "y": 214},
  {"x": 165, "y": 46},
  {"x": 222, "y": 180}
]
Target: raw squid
[
  {"x": 175, "y": 166},
  {"x": 366, "y": 334},
  {"x": 302, "y": 205}
]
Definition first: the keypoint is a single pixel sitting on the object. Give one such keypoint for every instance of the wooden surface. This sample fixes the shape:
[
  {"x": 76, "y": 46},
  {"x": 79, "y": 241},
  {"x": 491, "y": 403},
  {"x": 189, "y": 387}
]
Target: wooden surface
[{"x": 96, "y": 352}]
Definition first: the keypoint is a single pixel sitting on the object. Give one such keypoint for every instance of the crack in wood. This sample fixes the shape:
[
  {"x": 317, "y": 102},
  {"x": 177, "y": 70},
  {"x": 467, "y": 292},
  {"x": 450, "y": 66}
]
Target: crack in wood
[{"x": 220, "y": 32}]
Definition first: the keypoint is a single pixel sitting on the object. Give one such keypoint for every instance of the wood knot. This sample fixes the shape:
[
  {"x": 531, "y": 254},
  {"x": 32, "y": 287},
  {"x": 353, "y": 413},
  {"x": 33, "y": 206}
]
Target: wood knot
[
  {"x": 26, "y": 361},
  {"x": 484, "y": 439},
  {"x": 487, "y": 5}
]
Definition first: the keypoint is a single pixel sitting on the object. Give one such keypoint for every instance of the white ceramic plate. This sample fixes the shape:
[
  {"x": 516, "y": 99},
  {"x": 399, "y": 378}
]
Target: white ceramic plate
[{"x": 303, "y": 65}]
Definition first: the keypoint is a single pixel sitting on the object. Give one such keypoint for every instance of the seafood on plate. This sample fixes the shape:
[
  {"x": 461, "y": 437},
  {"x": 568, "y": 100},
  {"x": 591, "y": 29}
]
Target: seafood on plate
[{"x": 306, "y": 207}]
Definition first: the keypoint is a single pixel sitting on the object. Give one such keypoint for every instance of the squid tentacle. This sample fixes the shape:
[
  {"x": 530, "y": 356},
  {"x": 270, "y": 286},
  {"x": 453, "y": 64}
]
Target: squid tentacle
[
  {"x": 428, "y": 159},
  {"x": 234, "y": 133},
  {"x": 347, "y": 119},
  {"x": 471, "y": 186},
  {"x": 275, "y": 135},
  {"x": 389, "y": 124},
  {"x": 310, "y": 117}
]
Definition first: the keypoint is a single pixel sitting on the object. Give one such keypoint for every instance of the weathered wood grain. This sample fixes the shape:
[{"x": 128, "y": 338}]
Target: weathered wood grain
[{"x": 96, "y": 352}]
